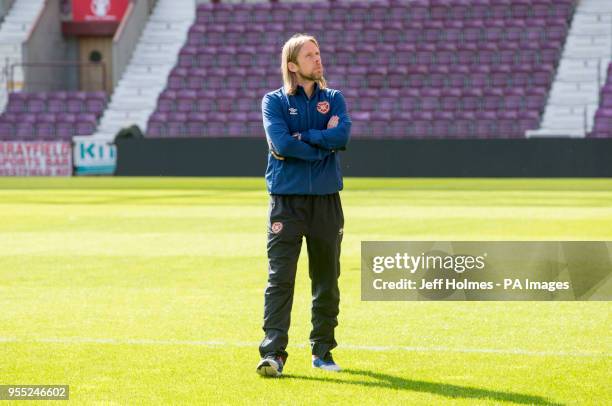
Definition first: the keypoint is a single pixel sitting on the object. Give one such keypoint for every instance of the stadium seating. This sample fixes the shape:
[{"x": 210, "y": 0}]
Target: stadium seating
[
  {"x": 424, "y": 68},
  {"x": 51, "y": 115},
  {"x": 603, "y": 117}
]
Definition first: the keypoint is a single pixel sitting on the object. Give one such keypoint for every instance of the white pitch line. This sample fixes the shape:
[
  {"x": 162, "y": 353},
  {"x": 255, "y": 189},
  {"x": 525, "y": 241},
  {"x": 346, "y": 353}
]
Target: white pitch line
[{"x": 383, "y": 348}]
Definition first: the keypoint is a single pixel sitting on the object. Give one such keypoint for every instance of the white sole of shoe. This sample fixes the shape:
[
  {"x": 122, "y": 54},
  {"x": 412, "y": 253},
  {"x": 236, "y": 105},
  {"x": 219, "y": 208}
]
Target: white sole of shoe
[
  {"x": 332, "y": 369},
  {"x": 268, "y": 370}
]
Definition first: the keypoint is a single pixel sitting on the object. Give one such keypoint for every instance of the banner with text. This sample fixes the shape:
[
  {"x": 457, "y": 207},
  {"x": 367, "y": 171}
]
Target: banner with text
[
  {"x": 35, "y": 158},
  {"x": 470, "y": 270},
  {"x": 93, "y": 156}
]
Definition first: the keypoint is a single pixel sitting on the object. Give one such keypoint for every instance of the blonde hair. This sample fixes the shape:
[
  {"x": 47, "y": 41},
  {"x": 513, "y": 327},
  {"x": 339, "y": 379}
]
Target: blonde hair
[{"x": 291, "y": 49}]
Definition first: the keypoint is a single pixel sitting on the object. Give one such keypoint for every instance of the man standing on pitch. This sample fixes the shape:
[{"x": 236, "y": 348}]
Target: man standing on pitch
[{"x": 306, "y": 124}]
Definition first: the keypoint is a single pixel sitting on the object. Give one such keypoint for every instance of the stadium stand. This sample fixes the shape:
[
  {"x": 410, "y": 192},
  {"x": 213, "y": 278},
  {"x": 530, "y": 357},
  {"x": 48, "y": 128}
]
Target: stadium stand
[
  {"x": 438, "y": 68},
  {"x": 603, "y": 118},
  {"x": 13, "y": 32},
  {"x": 51, "y": 116},
  {"x": 134, "y": 97},
  {"x": 573, "y": 98}
]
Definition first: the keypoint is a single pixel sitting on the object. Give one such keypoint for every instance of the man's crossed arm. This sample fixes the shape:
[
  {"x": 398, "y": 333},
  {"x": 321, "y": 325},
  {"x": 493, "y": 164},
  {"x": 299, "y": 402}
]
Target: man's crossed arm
[
  {"x": 311, "y": 145},
  {"x": 333, "y": 122},
  {"x": 280, "y": 141},
  {"x": 336, "y": 136}
]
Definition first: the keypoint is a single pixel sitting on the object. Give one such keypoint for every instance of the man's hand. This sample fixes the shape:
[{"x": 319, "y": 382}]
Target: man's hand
[{"x": 333, "y": 122}]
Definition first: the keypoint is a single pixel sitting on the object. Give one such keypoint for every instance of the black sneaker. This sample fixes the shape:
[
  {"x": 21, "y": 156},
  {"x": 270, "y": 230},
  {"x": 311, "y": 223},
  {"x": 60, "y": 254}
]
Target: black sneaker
[{"x": 271, "y": 366}]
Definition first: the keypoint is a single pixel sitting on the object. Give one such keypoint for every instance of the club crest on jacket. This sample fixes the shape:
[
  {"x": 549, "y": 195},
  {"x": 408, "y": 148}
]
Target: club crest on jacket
[{"x": 323, "y": 107}]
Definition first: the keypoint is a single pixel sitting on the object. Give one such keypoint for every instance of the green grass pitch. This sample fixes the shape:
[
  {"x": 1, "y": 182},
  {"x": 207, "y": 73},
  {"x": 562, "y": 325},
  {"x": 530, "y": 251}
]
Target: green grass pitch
[{"x": 150, "y": 291}]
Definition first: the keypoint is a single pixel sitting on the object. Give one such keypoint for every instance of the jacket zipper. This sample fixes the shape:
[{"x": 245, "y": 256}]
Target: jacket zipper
[{"x": 309, "y": 164}]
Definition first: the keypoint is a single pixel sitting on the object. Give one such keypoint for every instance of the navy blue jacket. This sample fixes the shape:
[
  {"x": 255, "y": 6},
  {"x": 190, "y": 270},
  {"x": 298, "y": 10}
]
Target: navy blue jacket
[{"x": 312, "y": 163}]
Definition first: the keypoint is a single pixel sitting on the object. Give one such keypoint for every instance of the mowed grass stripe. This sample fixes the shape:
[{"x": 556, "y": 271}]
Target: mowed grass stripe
[{"x": 349, "y": 346}]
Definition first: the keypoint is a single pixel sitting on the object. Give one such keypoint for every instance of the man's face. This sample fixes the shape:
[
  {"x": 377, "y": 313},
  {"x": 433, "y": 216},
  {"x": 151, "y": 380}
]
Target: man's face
[{"x": 309, "y": 65}]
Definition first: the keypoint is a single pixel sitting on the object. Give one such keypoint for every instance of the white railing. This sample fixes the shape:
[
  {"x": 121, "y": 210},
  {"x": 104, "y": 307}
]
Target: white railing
[
  {"x": 5, "y": 69},
  {"x": 4, "y": 78}
]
